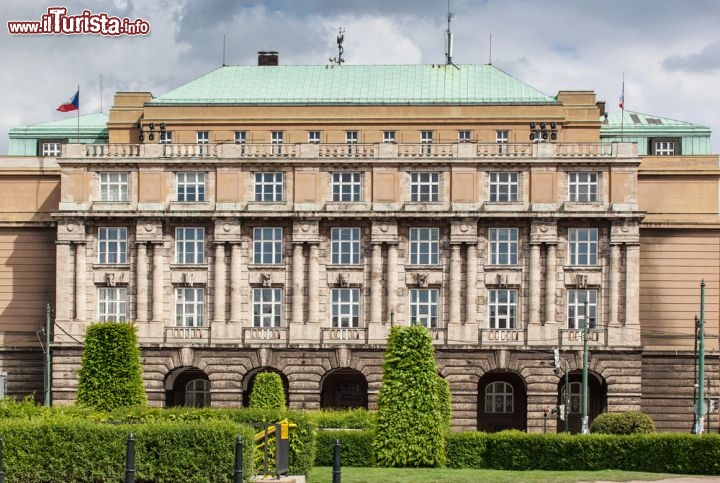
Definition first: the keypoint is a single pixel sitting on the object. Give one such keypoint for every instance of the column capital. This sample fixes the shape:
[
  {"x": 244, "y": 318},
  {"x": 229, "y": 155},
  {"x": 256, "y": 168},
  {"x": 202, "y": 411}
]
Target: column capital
[
  {"x": 384, "y": 231},
  {"x": 148, "y": 231},
  {"x": 71, "y": 230},
  {"x": 306, "y": 231},
  {"x": 227, "y": 231},
  {"x": 463, "y": 231},
  {"x": 543, "y": 231}
]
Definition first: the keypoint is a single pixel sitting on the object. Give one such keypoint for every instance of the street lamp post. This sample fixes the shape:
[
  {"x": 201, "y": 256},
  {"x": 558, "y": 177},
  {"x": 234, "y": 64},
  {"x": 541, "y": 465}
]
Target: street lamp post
[{"x": 584, "y": 406}]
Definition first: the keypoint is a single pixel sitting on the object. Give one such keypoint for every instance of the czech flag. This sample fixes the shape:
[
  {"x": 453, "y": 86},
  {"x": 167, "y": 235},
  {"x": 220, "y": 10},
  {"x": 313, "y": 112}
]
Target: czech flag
[{"x": 71, "y": 104}]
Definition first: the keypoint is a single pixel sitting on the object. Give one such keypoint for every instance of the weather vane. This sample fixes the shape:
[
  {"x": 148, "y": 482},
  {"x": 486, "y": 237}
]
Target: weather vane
[{"x": 340, "y": 38}]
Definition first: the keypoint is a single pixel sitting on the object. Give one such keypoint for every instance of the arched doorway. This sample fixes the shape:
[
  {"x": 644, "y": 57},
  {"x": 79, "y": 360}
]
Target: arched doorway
[
  {"x": 249, "y": 382},
  {"x": 187, "y": 386},
  {"x": 502, "y": 402},
  {"x": 344, "y": 388},
  {"x": 597, "y": 399}
]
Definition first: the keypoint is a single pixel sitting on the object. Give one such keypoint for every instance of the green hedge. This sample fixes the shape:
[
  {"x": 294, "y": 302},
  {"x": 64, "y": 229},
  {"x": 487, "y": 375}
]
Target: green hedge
[
  {"x": 62, "y": 449},
  {"x": 356, "y": 447},
  {"x": 344, "y": 418},
  {"x": 267, "y": 392},
  {"x": 515, "y": 450}
]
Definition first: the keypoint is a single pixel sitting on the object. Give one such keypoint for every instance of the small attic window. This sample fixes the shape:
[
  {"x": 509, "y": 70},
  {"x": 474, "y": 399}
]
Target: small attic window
[
  {"x": 655, "y": 121},
  {"x": 664, "y": 146},
  {"x": 635, "y": 118}
]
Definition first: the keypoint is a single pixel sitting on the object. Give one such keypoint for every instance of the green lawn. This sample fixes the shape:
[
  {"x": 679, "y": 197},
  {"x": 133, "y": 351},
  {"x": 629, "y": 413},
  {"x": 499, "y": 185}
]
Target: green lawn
[{"x": 323, "y": 474}]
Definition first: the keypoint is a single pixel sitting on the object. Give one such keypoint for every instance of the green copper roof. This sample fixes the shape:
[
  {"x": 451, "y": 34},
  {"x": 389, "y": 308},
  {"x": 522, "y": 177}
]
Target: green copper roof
[
  {"x": 637, "y": 120},
  {"x": 356, "y": 84},
  {"x": 97, "y": 120}
]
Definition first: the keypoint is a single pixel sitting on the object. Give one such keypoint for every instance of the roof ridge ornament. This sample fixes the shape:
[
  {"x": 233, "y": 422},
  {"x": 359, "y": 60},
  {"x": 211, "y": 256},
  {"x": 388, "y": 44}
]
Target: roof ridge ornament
[{"x": 340, "y": 38}]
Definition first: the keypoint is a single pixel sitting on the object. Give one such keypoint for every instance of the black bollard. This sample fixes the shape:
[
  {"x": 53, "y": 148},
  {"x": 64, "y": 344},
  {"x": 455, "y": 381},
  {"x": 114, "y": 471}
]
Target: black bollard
[
  {"x": 2, "y": 468},
  {"x": 130, "y": 459},
  {"x": 336, "y": 462},
  {"x": 238, "y": 474}
]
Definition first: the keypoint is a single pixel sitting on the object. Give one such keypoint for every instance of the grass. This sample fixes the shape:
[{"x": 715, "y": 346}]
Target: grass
[{"x": 323, "y": 474}]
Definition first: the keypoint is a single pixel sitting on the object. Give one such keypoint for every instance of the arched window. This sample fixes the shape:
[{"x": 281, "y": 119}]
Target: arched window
[
  {"x": 499, "y": 397},
  {"x": 197, "y": 393}
]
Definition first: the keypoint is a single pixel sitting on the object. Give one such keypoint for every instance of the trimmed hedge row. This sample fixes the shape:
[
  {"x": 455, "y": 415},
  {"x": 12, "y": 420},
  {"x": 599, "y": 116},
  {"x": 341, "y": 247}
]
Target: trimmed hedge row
[
  {"x": 302, "y": 438},
  {"x": 69, "y": 449},
  {"x": 344, "y": 418},
  {"x": 356, "y": 447},
  {"x": 515, "y": 450},
  {"x": 663, "y": 452}
]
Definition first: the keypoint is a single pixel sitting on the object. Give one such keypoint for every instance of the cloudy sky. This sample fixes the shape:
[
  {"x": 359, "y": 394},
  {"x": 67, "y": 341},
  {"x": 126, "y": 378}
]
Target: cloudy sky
[{"x": 668, "y": 50}]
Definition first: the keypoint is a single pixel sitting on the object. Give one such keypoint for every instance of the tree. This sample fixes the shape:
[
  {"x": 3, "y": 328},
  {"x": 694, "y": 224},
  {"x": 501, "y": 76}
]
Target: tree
[
  {"x": 413, "y": 403},
  {"x": 267, "y": 392},
  {"x": 111, "y": 374}
]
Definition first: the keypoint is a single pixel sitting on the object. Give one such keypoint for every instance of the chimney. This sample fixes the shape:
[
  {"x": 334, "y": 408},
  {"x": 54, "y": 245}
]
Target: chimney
[
  {"x": 268, "y": 58},
  {"x": 601, "y": 107}
]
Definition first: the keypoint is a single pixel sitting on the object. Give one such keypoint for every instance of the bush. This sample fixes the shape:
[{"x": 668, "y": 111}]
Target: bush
[
  {"x": 631, "y": 422},
  {"x": 268, "y": 392},
  {"x": 344, "y": 418},
  {"x": 410, "y": 420},
  {"x": 111, "y": 374},
  {"x": 356, "y": 447},
  {"x": 62, "y": 449}
]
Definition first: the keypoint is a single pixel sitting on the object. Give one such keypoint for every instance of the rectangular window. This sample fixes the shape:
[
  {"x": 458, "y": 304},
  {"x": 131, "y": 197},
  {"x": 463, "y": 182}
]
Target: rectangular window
[
  {"x": 346, "y": 187},
  {"x": 190, "y": 246},
  {"x": 663, "y": 148},
  {"x": 464, "y": 136},
  {"x": 202, "y": 137},
  {"x": 345, "y": 307},
  {"x": 583, "y": 246},
  {"x": 502, "y": 138},
  {"x": 389, "y": 137},
  {"x": 424, "y": 307},
  {"x": 51, "y": 149},
  {"x": 112, "y": 304},
  {"x": 190, "y": 187},
  {"x": 276, "y": 139},
  {"x": 503, "y": 245},
  {"x": 583, "y": 187},
  {"x": 503, "y": 309},
  {"x": 345, "y": 246},
  {"x": 189, "y": 307},
  {"x": 269, "y": 186},
  {"x": 314, "y": 137},
  {"x": 112, "y": 245},
  {"x": 165, "y": 137},
  {"x": 426, "y": 139},
  {"x": 113, "y": 186},
  {"x": 576, "y": 308},
  {"x": 424, "y": 246},
  {"x": 267, "y": 307},
  {"x": 425, "y": 187},
  {"x": 241, "y": 138},
  {"x": 267, "y": 246},
  {"x": 351, "y": 139},
  {"x": 504, "y": 187}
]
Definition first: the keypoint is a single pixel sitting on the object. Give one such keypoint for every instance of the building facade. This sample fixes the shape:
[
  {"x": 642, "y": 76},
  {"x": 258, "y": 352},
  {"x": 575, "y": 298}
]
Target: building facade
[{"x": 284, "y": 218}]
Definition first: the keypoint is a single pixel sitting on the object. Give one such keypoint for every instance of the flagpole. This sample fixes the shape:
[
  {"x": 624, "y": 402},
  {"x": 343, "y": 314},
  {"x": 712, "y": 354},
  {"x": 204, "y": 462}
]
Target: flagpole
[
  {"x": 622, "y": 111},
  {"x": 78, "y": 115}
]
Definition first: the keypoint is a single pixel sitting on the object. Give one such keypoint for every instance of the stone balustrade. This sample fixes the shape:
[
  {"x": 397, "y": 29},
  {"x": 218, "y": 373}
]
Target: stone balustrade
[
  {"x": 501, "y": 337},
  {"x": 265, "y": 335},
  {"x": 184, "y": 335},
  {"x": 574, "y": 337},
  {"x": 345, "y": 335},
  {"x": 351, "y": 151}
]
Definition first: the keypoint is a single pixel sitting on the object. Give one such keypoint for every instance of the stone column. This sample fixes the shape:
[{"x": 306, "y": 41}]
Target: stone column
[
  {"x": 298, "y": 272},
  {"x": 157, "y": 281},
  {"x": 534, "y": 282},
  {"x": 392, "y": 280},
  {"x": 80, "y": 275},
  {"x": 376, "y": 284},
  {"x": 454, "y": 283},
  {"x": 313, "y": 284},
  {"x": 550, "y": 283},
  {"x": 632, "y": 284},
  {"x": 471, "y": 284},
  {"x": 141, "y": 285},
  {"x": 614, "y": 283},
  {"x": 235, "y": 280},
  {"x": 64, "y": 278},
  {"x": 220, "y": 278}
]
